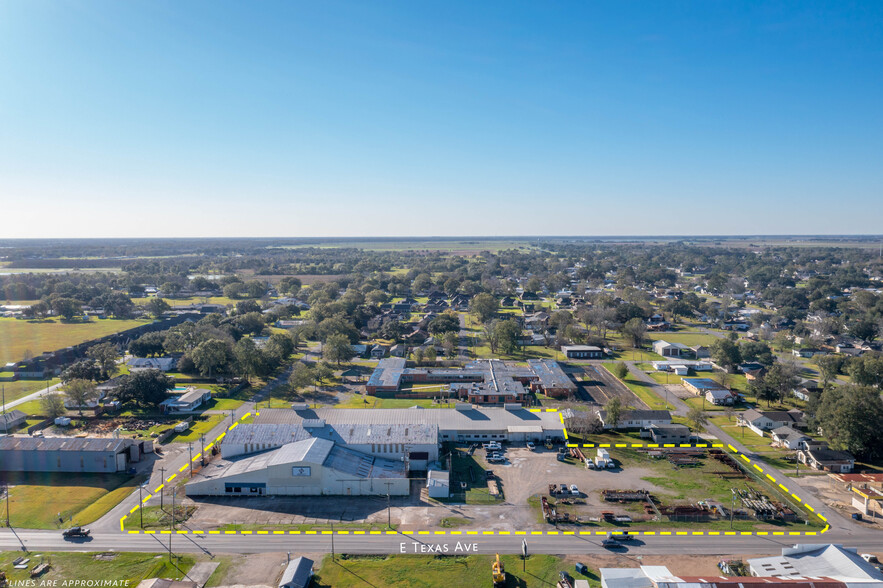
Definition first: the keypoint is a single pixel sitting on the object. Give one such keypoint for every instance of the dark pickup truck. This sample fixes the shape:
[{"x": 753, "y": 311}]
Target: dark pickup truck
[{"x": 74, "y": 532}]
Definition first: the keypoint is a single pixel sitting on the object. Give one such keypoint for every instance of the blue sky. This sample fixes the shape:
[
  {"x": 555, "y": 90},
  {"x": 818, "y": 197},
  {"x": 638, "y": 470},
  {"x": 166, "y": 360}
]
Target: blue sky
[{"x": 168, "y": 118}]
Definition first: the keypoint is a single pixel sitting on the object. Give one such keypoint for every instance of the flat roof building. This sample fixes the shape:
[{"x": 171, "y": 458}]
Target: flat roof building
[{"x": 67, "y": 454}]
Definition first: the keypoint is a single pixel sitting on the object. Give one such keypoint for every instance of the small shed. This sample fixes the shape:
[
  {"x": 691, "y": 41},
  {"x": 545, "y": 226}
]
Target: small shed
[
  {"x": 438, "y": 484},
  {"x": 297, "y": 573}
]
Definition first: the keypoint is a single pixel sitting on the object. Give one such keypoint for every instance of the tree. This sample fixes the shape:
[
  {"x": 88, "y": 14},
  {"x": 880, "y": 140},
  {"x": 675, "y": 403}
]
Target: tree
[
  {"x": 211, "y": 356},
  {"x": 105, "y": 355},
  {"x": 376, "y": 297},
  {"x": 337, "y": 348},
  {"x": 850, "y": 418},
  {"x": 696, "y": 417},
  {"x": 418, "y": 355},
  {"x": 449, "y": 343},
  {"x": 53, "y": 405},
  {"x": 322, "y": 371},
  {"x": 39, "y": 310},
  {"x": 725, "y": 353},
  {"x": 866, "y": 370},
  {"x": 247, "y": 306},
  {"x": 634, "y": 330},
  {"x": 157, "y": 306},
  {"x": 829, "y": 367},
  {"x": 392, "y": 330},
  {"x": 249, "y": 360},
  {"x": 484, "y": 306},
  {"x": 67, "y": 308},
  {"x": 170, "y": 288},
  {"x": 430, "y": 354},
  {"x": 279, "y": 347},
  {"x": 446, "y": 322},
  {"x": 301, "y": 376},
  {"x": 148, "y": 345},
  {"x": 613, "y": 412},
  {"x": 145, "y": 387},
  {"x": 80, "y": 393},
  {"x": 757, "y": 351},
  {"x": 620, "y": 370},
  {"x": 507, "y": 334},
  {"x": 84, "y": 369}
]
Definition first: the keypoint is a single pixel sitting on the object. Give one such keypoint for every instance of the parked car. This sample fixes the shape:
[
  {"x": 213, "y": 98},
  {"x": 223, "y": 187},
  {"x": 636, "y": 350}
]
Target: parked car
[
  {"x": 574, "y": 490},
  {"x": 492, "y": 446},
  {"x": 489, "y": 474},
  {"x": 531, "y": 446},
  {"x": 560, "y": 457},
  {"x": 74, "y": 532},
  {"x": 563, "y": 489}
]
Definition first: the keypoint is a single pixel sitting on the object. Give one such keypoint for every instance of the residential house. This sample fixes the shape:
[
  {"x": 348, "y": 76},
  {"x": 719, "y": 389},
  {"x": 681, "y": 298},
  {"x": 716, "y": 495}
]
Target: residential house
[
  {"x": 826, "y": 459},
  {"x": 700, "y": 351},
  {"x": 378, "y": 351},
  {"x": 768, "y": 420},
  {"x": 636, "y": 419},
  {"x": 789, "y": 438},
  {"x": 669, "y": 434},
  {"x": 298, "y": 573},
  {"x": 807, "y": 352},
  {"x": 163, "y": 364},
  {"x": 190, "y": 401}
]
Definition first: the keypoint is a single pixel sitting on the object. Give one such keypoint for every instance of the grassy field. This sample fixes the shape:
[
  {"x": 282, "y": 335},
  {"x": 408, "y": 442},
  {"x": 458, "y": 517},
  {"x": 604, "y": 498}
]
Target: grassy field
[
  {"x": 684, "y": 338},
  {"x": 21, "y": 388},
  {"x": 641, "y": 389},
  {"x": 37, "y": 499},
  {"x": 374, "y": 402},
  {"x": 111, "y": 567},
  {"x": 200, "y": 426},
  {"x": 18, "y": 337},
  {"x": 192, "y": 300},
  {"x": 443, "y": 571}
]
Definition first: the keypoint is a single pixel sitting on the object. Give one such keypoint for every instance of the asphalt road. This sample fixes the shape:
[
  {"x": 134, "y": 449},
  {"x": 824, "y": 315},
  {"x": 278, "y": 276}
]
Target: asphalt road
[{"x": 32, "y": 541}]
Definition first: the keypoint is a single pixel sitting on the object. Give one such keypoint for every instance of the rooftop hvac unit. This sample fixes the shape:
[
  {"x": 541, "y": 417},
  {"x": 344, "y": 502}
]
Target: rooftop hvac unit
[
  {"x": 299, "y": 406},
  {"x": 512, "y": 406},
  {"x": 462, "y": 406}
]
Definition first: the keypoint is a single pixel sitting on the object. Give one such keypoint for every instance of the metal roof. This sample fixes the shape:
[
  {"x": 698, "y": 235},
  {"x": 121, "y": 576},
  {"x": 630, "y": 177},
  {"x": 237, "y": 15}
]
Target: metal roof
[
  {"x": 63, "y": 444},
  {"x": 834, "y": 561},
  {"x": 703, "y": 384},
  {"x": 445, "y": 419},
  {"x": 388, "y": 372},
  {"x": 550, "y": 374}
]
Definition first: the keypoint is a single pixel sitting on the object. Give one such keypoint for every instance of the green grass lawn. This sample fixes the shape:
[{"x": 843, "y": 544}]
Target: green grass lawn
[
  {"x": 21, "y": 388},
  {"x": 37, "y": 499},
  {"x": 17, "y": 336},
  {"x": 112, "y": 567},
  {"x": 684, "y": 338},
  {"x": 30, "y": 407},
  {"x": 374, "y": 402},
  {"x": 159, "y": 517},
  {"x": 453, "y": 569},
  {"x": 188, "y": 301},
  {"x": 641, "y": 389},
  {"x": 200, "y": 426}
]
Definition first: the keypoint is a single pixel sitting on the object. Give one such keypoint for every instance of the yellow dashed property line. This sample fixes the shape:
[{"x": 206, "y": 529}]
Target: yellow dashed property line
[
  {"x": 183, "y": 467},
  {"x": 182, "y": 532},
  {"x": 771, "y": 478},
  {"x": 158, "y": 488},
  {"x": 785, "y": 489},
  {"x": 172, "y": 477},
  {"x": 233, "y": 426},
  {"x": 757, "y": 467},
  {"x": 745, "y": 458},
  {"x": 134, "y": 532},
  {"x": 146, "y": 498},
  {"x": 197, "y": 456}
]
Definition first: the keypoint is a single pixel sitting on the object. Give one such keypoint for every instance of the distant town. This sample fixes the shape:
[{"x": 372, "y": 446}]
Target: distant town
[{"x": 542, "y": 406}]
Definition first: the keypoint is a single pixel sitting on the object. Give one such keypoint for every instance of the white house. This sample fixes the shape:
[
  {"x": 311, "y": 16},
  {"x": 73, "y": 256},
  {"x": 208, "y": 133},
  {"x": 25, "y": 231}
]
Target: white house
[
  {"x": 636, "y": 419},
  {"x": 789, "y": 438},
  {"x": 192, "y": 399}
]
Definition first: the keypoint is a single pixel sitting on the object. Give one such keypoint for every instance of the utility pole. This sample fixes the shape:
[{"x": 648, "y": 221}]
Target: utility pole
[
  {"x": 162, "y": 476},
  {"x": 733, "y": 508},
  {"x": 190, "y": 448},
  {"x": 172, "y": 523},
  {"x": 202, "y": 447},
  {"x": 332, "y": 541},
  {"x": 6, "y": 487},
  {"x": 141, "y": 504}
]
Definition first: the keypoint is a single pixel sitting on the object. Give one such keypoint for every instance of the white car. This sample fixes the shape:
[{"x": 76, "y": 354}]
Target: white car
[
  {"x": 531, "y": 446},
  {"x": 574, "y": 490}
]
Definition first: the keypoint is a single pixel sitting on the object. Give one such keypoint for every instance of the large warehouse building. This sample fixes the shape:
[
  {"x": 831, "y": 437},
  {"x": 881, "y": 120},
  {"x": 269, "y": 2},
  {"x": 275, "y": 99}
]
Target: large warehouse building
[
  {"x": 354, "y": 452},
  {"x": 483, "y": 381},
  {"x": 67, "y": 454},
  {"x": 304, "y": 468},
  {"x": 465, "y": 423}
]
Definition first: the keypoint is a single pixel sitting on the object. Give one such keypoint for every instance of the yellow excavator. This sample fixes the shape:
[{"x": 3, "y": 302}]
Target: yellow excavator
[{"x": 498, "y": 573}]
